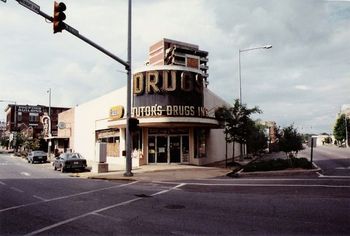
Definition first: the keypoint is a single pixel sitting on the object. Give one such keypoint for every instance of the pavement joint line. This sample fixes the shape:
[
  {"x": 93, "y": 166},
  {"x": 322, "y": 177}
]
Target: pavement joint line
[
  {"x": 97, "y": 211},
  {"x": 67, "y": 196},
  {"x": 2, "y": 183}
]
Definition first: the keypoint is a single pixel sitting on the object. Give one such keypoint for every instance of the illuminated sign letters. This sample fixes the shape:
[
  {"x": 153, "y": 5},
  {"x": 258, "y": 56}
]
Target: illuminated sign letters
[{"x": 169, "y": 92}]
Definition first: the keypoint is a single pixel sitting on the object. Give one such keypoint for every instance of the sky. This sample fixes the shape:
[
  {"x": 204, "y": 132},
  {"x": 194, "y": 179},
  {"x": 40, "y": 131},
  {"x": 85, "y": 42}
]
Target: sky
[{"x": 304, "y": 79}]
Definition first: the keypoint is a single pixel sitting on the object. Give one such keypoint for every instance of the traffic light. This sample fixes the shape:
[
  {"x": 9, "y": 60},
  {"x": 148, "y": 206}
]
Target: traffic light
[
  {"x": 133, "y": 124},
  {"x": 58, "y": 17}
]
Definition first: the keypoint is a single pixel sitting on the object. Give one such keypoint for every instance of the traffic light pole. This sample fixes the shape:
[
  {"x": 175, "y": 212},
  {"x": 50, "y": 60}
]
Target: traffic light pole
[{"x": 36, "y": 8}]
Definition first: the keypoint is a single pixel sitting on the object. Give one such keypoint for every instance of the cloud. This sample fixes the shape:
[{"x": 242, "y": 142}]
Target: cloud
[{"x": 303, "y": 79}]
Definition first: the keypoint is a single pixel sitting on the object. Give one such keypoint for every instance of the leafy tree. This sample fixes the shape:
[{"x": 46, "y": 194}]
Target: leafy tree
[
  {"x": 4, "y": 141},
  {"x": 237, "y": 123},
  {"x": 257, "y": 139},
  {"x": 290, "y": 141},
  {"x": 339, "y": 128}
]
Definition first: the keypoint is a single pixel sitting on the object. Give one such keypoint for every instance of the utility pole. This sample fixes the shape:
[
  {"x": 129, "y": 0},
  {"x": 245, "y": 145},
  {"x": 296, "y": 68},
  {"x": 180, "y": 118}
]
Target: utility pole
[
  {"x": 128, "y": 102},
  {"x": 49, "y": 143},
  {"x": 346, "y": 132}
]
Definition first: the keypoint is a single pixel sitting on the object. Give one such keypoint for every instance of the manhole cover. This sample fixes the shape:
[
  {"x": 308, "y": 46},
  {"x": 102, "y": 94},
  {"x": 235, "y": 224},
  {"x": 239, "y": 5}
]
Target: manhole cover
[{"x": 174, "y": 206}]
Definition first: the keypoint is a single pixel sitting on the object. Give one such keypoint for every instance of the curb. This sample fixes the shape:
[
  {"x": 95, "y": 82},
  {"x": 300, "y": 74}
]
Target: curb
[{"x": 280, "y": 172}]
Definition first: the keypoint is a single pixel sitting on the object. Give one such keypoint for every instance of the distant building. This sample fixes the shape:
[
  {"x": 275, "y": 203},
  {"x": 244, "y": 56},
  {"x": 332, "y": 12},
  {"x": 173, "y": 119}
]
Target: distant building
[
  {"x": 271, "y": 132},
  {"x": 171, "y": 52},
  {"x": 27, "y": 118}
]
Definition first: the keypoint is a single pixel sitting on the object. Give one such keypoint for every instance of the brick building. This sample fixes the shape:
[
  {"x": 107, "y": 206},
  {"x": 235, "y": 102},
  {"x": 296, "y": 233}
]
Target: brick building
[{"x": 28, "y": 119}]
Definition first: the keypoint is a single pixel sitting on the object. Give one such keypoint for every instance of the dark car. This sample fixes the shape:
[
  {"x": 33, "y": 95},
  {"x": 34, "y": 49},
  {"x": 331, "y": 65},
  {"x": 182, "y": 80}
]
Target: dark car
[
  {"x": 69, "y": 161},
  {"x": 36, "y": 156}
]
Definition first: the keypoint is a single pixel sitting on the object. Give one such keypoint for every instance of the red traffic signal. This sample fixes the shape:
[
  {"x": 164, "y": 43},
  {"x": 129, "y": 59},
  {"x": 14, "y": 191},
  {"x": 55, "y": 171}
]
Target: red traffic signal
[{"x": 58, "y": 17}]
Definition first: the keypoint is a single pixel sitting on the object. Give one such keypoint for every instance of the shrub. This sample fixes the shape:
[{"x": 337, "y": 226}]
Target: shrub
[{"x": 277, "y": 164}]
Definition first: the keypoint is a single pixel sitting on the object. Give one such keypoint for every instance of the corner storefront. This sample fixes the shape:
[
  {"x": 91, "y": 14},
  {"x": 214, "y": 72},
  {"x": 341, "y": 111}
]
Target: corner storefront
[{"x": 176, "y": 120}]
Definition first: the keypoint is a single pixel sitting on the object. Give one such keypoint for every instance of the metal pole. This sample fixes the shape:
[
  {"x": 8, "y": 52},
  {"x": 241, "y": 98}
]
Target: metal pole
[
  {"x": 312, "y": 150},
  {"x": 240, "y": 79},
  {"x": 346, "y": 132},
  {"x": 128, "y": 102},
  {"x": 49, "y": 134}
]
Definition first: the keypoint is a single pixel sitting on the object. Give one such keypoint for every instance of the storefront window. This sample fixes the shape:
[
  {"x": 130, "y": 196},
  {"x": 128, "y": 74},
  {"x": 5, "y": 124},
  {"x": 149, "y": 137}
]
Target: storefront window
[
  {"x": 200, "y": 142},
  {"x": 111, "y": 137}
]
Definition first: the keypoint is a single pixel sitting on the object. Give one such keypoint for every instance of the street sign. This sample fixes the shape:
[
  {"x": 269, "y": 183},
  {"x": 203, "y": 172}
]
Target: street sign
[{"x": 30, "y": 5}]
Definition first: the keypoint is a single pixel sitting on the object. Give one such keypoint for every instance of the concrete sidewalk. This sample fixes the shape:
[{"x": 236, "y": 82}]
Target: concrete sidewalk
[{"x": 161, "y": 173}]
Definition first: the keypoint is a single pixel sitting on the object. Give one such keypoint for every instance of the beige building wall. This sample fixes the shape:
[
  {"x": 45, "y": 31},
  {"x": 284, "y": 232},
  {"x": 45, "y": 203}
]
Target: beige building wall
[{"x": 66, "y": 126}]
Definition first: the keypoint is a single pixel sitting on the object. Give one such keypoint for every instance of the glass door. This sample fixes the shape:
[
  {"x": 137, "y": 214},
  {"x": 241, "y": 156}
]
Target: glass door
[
  {"x": 151, "y": 149},
  {"x": 185, "y": 149},
  {"x": 175, "y": 149},
  {"x": 162, "y": 149}
]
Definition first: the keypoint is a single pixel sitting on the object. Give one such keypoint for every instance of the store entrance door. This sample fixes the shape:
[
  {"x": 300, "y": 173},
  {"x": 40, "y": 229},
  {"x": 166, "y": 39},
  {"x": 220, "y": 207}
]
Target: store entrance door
[
  {"x": 175, "y": 149},
  {"x": 162, "y": 147}
]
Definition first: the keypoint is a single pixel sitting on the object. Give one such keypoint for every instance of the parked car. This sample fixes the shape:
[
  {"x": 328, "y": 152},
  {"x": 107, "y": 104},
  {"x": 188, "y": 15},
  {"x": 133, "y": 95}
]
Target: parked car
[
  {"x": 39, "y": 156},
  {"x": 70, "y": 161}
]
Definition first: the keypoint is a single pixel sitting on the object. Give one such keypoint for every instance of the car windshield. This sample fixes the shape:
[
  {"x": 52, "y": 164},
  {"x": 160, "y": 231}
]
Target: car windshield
[
  {"x": 70, "y": 155},
  {"x": 38, "y": 152}
]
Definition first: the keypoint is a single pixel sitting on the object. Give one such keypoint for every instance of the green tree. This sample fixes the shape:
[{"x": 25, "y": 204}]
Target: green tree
[
  {"x": 290, "y": 141},
  {"x": 237, "y": 123},
  {"x": 257, "y": 139},
  {"x": 4, "y": 141},
  {"x": 339, "y": 129}
]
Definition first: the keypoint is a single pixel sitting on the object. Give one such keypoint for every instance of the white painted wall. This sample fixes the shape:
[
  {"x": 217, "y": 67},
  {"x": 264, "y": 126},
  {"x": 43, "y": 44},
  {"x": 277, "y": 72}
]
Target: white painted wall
[
  {"x": 87, "y": 117},
  {"x": 216, "y": 144}
]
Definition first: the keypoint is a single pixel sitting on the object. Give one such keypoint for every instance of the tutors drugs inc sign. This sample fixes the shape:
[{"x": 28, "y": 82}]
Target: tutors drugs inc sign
[{"x": 168, "y": 92}]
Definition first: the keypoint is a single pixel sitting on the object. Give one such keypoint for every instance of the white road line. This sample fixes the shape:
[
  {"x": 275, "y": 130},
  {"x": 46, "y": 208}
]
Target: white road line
[
  {"x": 25, "y": 173},
  {"x": 167, "y": 190},
  {"x": 17, "y": 190},
  {"x": 261, "y": 185},
  {"x": 96, "y": 212},
  {"x": 335, "y": 176},
  {"x": 2, "y": 183},
  {"x": 267, "y": 179},
  {"x": 40, "y": 198},
  {"x": 67, "y": 196},
  {"x": 319, "y": 174}
]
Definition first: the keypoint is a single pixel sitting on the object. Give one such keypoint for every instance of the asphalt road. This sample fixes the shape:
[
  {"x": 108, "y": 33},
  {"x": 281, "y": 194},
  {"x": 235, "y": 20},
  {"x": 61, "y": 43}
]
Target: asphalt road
[
  {"x": 35, "y": 200},
  {"x": 333, "y": 161}
]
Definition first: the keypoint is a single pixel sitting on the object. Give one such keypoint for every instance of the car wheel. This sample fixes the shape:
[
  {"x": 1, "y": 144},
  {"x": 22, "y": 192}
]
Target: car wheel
[
  {"x": 54, "y": 167},
  {"x": 28, "y": 161},
  {"x": 62, "y": 169}
]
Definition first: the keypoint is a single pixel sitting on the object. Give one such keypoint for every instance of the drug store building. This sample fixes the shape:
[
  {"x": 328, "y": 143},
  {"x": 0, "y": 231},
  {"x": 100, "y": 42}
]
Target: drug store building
[{"x": 175, "y": 109}]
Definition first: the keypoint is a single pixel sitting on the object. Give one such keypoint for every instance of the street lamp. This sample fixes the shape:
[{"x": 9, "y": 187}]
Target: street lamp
[
  {"x": 239, "y": 68},
  {"x": 240, "y": 76}
]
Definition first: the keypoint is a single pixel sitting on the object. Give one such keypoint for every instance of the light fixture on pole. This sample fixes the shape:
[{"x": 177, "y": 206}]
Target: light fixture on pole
[{"x": 239, "y": 66}]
